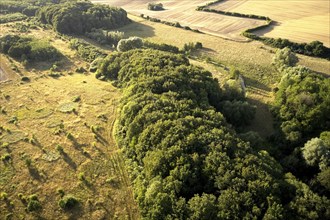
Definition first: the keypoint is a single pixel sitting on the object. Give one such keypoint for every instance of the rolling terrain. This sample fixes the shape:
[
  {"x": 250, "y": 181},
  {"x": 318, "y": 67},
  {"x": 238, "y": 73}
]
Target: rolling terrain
[
  {"x": 185, "y": 13},
  {"x": 300, "y": 21}
]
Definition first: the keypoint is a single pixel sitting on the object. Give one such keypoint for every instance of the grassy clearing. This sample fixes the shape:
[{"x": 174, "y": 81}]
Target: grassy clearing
[
  {"x": 300, "y": 21},
  {"x": 56, "y": 142},
  {"x": 60, "y": 146}
]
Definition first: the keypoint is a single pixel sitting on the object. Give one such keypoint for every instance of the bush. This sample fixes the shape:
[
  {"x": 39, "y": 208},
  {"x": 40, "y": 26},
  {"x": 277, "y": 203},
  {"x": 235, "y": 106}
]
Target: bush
[
  {"x": 155, "y": 6},
  {"x": 68, "y": 202},
  {"x": 129, "y": 44},
  {"x": 162, "y": 47},
  {"x": 33, "y": 204}
]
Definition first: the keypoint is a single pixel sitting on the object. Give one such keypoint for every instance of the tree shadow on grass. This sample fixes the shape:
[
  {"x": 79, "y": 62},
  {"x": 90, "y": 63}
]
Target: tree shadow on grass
[
  {"x": 69, "y": 160},
  {"x": 252, "y": 83},
  {"x": 34, "y": 172},
  {"x": 138, "y": 29},
  {"x": 65, "y": 64}
]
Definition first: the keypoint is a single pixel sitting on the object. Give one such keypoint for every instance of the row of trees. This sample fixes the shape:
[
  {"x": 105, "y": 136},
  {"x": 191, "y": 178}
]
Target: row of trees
[
  {"x": 185, "y": 161},
  {"x": 82, "y": 17},
  {"x": 26, "y": 7}
]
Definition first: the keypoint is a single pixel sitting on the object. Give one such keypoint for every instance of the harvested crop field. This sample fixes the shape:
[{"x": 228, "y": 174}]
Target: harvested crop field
[
  {"x": 300, "y": 21},
  {"x": 185, "y": 13}
]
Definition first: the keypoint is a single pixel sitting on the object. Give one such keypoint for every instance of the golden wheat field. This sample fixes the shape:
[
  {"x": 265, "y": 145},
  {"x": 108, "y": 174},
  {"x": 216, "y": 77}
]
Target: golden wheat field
[
  {"x": 298, "y": 20},
  {"x": 185, "y": 13}
]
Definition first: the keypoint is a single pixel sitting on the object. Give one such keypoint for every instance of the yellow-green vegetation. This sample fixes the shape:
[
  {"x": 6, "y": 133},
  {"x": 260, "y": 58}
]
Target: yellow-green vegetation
[
  {"x": 54, "y": 130},
  {"x": 48, "y": 148},
  {"x": 182, "y": 137}
]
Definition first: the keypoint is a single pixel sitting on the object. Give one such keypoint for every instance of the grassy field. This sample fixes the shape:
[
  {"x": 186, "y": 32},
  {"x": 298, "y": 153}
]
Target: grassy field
[
  {"x": 185, "y": 13},
  {"x": 56, "y": 139},
  {"x": 300, "y": 21}
]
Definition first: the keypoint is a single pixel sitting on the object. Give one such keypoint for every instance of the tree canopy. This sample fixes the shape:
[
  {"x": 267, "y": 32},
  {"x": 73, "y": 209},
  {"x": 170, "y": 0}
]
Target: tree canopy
[{"x": 185, "y": 161}]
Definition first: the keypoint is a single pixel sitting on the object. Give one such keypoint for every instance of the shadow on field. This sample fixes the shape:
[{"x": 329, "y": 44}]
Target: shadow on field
[
  {"x": 255, "y": 84},
  {"x": 65, "y": 64},
  {"x": 267, "y": 29},
  {"x": 69, "y": 160},
  {"x": 138, "y": 29}
]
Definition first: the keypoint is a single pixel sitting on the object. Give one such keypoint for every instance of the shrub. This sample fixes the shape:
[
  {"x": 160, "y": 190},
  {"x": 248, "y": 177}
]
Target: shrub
[
  {"x": 129, "y": 44},
  {"x": 155, "y": 6},
  {"x": 68, "y": 202},
  {"x": 6, "y": 157},
  {"x": 33, "y": 204}
]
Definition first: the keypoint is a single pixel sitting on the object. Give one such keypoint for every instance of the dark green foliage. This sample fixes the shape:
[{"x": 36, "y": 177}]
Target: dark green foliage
[
  {"x": 33, "y": 204},
  {"x": 189, "y": 47},
  {"x": 314, "y": 48},
  {"x": 235, "y": 14},
  {"x": 68, "y": 202},
  {"x": 82, "y": 17},
  {"x": 129, "y": 44},
  {"x": 238, "y": 113},
  {"x": 302, "y": 105},
  {"x": 28, "y": 49},
  {"x": 162, "y": 47},
  {"x": 185, "y": 161},
  {"x": 155, "y": 6}
]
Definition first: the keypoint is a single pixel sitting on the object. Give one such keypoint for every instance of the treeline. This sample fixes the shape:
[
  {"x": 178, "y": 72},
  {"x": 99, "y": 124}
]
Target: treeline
[
  {"x": 26, "y": 7},
  {"x": 28, "y": 49},
  {"x": 173, "y": 24},
  {"x": 82, "y": 17},
  {"x": 302, "y": 115},
  {"x": 137, "y": 42},
  {"x": 185, "y": 161},
  {"x": 235, "y": 14},
  {"x": 314, "y": 48}
]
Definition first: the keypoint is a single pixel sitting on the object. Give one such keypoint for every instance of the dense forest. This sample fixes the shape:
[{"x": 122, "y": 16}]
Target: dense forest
[
  {"x": 184, "y": 134},
  {"x": 81, "y": 17},
  {"x": 185, "y": 160}
]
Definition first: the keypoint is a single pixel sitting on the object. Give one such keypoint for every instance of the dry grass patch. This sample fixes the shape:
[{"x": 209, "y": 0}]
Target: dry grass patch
[{"x": 49, "y": 149}]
